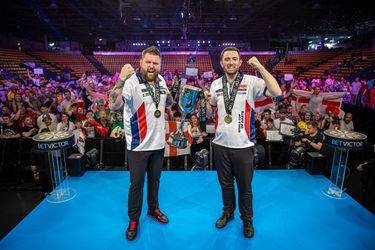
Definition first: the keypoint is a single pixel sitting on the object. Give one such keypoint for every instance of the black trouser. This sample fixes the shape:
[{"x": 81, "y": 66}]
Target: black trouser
[
  {"x": 141, "y": 162},
  {"x": 235, "y": 163}
]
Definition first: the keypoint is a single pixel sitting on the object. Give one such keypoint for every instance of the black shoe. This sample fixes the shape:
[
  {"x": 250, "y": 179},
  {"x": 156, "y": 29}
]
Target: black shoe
[
  {"x": 132, "y": 230},
  {"x": 157, "y": 215},
  {"x": 224, "y": 219},
  {"x": 248, "y": 229}
]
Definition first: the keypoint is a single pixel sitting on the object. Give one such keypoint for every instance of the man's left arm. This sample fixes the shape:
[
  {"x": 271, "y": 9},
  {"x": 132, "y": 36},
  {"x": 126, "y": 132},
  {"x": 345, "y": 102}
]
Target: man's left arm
[
  {"x": 337, "y": 96},
  {"x": 272, "y": 86},
  {"x": 317, "y": 145}
]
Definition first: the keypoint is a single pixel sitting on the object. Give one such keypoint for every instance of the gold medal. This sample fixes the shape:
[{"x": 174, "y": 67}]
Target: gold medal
[
  {"x": 228, "y": 119},
  {"x": 157, "y": 113}
]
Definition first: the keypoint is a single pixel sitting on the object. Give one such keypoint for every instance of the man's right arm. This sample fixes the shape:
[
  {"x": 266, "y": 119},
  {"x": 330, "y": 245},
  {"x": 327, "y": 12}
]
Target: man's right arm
[{"x": 115, "y": 96}]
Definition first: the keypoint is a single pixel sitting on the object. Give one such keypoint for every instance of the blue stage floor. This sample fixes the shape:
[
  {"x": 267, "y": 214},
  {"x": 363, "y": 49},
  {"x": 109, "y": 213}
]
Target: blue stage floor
[{"x": 290, "y": 212}]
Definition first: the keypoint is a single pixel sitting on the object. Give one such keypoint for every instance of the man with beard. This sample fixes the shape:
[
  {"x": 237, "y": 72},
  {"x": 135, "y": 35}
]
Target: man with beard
[
  {"x": 234, "y": 95},
  {"x": 145, "y": 96}
]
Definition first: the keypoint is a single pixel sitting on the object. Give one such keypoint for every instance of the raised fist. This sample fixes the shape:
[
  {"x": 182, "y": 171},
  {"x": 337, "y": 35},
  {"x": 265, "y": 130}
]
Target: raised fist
[
  {"x": 253, "y": 62},
  {"x": 126, "y": 70}
]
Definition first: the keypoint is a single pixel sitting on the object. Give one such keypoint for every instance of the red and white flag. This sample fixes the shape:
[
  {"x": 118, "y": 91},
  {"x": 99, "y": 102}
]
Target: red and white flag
[
  {"x": 333, "y": 105},
  {"x": 263, "y": 103},
  {"x": 170, "y": 151}
]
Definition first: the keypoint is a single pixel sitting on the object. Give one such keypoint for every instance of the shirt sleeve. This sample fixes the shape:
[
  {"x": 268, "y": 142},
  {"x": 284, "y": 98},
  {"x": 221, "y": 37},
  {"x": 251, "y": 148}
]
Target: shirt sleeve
[
  {"x": 127, "y": 91},
  {"x": 259, "y": 88},
  {"x": 213, "y": 99}
]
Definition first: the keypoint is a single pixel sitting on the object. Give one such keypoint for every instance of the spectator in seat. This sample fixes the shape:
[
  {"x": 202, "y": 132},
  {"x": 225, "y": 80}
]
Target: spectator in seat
[
  {"x": 65, "y": 124},
  {"x": 101, "y": 126},
  {"x": 347, "y": 124},
  {"x": 47, "y": 124},
  {"x": 30, "y": 129},
  {"x": 9, "y": 129},
  {"x": 282, "y": 118}
]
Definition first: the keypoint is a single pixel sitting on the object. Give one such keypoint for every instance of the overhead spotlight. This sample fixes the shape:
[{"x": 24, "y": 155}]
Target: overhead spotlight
[
  {"x": 163, "y": 42},
  {"x": 204, "y": 41},
  {"x": 100, "y": 39},
  {"x": 182, "y": 14},
  {"x": 169, "y": 41},
  {"x": 233, "y": 18},
  {"x": 209, "y": 42},
  {"x": 157, "y": 42},
  {"x": 198, "y": 41}
]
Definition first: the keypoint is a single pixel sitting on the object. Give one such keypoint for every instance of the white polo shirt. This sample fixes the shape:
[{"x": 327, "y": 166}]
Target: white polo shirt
[
  {"x": 143, "y": 131},
  {"x": 240, "y": 133}
]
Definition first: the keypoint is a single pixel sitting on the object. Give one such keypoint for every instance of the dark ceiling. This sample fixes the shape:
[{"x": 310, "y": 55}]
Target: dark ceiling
[{"x": 119, "y": 20}]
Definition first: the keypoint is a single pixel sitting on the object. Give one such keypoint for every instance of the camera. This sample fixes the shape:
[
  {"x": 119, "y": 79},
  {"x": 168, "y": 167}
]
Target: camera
[
  {"x": 297, "y": 149},
  {"x": 201, "y": 160}
]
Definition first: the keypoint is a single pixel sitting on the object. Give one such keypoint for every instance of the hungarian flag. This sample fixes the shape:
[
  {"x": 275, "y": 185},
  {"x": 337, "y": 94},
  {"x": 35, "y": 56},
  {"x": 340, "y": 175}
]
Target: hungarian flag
[
  {"x": 170, "y": 151},
  {"x": 333, "y": 105}
]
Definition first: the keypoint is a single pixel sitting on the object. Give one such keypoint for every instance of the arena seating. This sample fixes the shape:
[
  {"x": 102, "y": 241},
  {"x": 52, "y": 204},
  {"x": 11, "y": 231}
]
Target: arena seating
[
  {"x": 343, "y": 71},
  {"x": 113, "y": 63},
  {"x": 262, "y": 59},
  {"x": 170, "y": 62},
  {"x": 302, "y": 59},
  {"x": 10, "y": 60},
  {"x": 78, "y": 62}
]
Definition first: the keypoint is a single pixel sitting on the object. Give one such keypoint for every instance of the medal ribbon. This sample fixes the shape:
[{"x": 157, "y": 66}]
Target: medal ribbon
[
  {"x": 229, "y": 101},
  {"x": 155, "y": 97}
]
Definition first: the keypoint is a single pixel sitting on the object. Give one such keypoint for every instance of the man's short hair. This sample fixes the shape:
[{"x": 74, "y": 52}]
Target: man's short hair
[
  {"x": 313, "y": 124},
  {"x": 230, "y": 49},
  {"x": 6, "y": 115},
  {"x": 266, "y": 111},
  {"x": 151, "y": 50}
]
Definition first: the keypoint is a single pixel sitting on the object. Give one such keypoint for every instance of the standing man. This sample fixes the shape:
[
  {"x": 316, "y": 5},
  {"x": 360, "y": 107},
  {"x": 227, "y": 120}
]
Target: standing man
[
  {"x": 145, "y": 96},
  {"x": 316, "y": 98},
  {"x": 355, "y": 87},
  {"x": 234, "y": 95}
]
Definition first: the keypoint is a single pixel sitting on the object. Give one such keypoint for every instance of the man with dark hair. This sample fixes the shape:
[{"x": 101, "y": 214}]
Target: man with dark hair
[
  {"x": 29, "y": 130},
  {"x": 314, "y": 140},
  {"x": 346, "y": 124},
  {"x": 9, "y": 129},
  {"x": 234, "y": 96},
  {"x": 145, "y": 96},
  {"x": 66, "y": 103}
]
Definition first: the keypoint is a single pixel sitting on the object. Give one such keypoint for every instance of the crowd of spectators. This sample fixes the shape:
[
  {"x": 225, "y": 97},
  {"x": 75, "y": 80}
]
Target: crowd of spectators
[{"x": 32, "y": 104}]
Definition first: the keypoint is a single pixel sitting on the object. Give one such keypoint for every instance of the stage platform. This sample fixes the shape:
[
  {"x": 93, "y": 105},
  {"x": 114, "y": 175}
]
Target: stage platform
[{"x": 290, "y": 212}]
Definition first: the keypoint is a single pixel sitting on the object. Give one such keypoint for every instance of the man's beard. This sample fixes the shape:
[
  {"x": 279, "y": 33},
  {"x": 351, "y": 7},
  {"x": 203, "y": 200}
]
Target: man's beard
[{"x": 149, "y": 77}]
